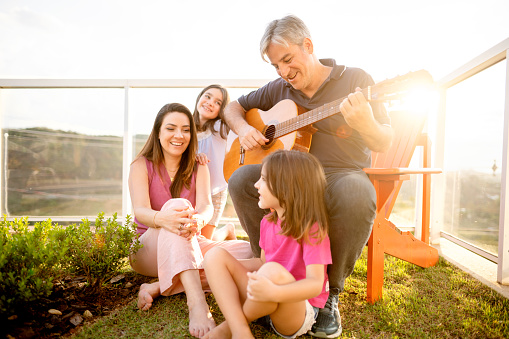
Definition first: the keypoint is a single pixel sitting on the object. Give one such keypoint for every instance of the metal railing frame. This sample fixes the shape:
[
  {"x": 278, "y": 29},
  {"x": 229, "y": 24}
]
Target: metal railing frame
[
  {"x": 127, "y": 85},
  {"x": 494, "y": 55}
]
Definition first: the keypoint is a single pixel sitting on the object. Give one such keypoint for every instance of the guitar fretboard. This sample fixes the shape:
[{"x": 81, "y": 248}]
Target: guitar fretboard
[
  {"x": 383, "y": 91},
  {"x": 310, "y": 117}
]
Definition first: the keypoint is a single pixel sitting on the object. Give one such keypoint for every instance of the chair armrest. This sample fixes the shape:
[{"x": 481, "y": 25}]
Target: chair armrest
[{"x": 401, "y": 171}]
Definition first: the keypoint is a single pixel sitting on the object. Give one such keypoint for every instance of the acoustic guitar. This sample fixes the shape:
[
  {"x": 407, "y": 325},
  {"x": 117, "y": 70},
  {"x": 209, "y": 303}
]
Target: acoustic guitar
[{"x": 289, "y": 126}]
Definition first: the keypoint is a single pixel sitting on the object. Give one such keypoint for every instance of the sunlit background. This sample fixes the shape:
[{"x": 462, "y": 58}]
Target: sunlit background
[
  {"x": 63, "y": 147},
  {"x": 126, "y": 39},
  {"x": 219, "y": 39}
]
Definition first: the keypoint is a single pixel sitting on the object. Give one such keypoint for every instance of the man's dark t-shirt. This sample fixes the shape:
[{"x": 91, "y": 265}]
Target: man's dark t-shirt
[{"x": 335, "y": 144}]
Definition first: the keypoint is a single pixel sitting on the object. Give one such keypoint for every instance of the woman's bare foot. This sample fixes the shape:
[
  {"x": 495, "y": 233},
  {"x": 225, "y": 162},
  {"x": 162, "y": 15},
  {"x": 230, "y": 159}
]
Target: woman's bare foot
[
  {"x": 147, "y": 294},
  {"x": 200, "y": 320}
]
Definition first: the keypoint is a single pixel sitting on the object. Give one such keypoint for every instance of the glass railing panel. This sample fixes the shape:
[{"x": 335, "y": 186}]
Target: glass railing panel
[
  {"x": 473, "y": 157},
  {"x": 403, "y": 213},
  {"x": 62, "y": 150}
]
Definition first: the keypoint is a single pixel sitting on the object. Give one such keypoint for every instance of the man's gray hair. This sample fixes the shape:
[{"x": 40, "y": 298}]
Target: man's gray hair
[{"x": 285, "y": 31}]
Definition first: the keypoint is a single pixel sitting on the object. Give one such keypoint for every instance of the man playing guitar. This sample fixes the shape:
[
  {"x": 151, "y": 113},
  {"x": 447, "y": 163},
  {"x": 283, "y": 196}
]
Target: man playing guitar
[{"x": 342, "y": 142}]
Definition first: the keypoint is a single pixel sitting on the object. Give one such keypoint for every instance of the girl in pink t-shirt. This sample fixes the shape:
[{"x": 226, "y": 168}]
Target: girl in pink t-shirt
[{"x": 289, "y": 280}]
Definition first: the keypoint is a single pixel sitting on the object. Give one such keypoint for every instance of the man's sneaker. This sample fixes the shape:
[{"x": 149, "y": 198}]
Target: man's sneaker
[{"x": 328, "y": 321}]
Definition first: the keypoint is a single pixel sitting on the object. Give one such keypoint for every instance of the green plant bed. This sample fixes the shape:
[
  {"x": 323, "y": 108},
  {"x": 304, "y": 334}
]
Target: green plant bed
[{"x": 51, "y": 274}]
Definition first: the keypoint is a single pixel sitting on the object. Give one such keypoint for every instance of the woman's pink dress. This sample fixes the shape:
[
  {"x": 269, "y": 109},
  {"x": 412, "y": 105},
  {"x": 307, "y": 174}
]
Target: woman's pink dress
[{"x": 165, "y": 254}]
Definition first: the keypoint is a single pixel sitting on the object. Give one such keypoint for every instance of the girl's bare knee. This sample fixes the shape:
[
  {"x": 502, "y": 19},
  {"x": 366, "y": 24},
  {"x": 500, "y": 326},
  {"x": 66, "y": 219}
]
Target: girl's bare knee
[
  {"x": 276, "y": 273},
  {"x": 214, "y": 256}
]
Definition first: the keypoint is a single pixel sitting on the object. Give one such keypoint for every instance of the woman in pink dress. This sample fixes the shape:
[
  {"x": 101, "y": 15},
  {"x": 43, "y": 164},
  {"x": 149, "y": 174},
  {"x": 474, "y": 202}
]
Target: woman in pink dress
[{"x": 170, "y": 193}]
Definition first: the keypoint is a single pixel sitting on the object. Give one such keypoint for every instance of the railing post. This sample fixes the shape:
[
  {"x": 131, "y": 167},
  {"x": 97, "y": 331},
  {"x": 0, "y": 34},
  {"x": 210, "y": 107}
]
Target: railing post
[
  {"x": 3, "y": 165},
  {"x": 438, "y": 183},
  {"x": 503, "y": 234},
  {"x": 127, "y": 156}
]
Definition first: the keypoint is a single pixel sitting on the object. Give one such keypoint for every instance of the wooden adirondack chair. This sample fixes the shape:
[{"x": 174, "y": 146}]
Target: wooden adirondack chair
[{"x": 387, "y": 174}]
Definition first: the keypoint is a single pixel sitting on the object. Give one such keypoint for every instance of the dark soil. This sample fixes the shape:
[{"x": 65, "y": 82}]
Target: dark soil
[{"x": 72, "y": 299}]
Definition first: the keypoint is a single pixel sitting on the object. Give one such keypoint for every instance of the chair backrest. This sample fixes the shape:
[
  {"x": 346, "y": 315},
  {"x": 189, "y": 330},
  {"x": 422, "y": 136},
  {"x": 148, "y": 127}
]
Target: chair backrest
[{"x": 407, "y": 127}]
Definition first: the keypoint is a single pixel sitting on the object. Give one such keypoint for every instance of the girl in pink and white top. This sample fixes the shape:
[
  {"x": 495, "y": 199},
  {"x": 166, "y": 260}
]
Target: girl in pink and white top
[
  {"x": 289, "y": 281},
  {"x": 170, "y": 193},
  {"x": 212, "y": 133}
]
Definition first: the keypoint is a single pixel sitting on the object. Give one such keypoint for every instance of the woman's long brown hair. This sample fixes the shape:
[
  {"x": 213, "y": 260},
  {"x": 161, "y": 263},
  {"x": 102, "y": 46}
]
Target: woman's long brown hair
[{"x": 153, "y": 151}]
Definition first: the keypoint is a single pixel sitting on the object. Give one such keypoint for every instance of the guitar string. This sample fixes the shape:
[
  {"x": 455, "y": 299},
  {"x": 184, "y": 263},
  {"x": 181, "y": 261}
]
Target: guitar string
[
  {"x": 329, "y": 109},
  {"x": 307, "y": 118}
]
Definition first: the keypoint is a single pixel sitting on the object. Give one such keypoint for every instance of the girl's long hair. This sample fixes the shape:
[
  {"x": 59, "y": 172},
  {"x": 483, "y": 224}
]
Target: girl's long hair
[
  {"x": 209, "y": 125},
  {"x": 153, "y": 151},
  {"x": 297, "y": 180}
]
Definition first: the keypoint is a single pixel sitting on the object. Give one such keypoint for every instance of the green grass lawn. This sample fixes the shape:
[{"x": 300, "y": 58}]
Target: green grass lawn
[{"x": 437, "y": 302}]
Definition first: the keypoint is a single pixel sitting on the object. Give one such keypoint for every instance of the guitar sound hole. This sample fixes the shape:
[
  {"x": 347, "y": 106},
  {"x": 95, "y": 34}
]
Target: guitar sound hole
[{"x": 269, "y": 133}]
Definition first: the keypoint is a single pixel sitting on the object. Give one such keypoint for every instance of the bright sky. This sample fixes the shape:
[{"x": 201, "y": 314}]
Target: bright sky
[
  {"x": 219, "y": 39},
  {"x": 125, "y": 39}
]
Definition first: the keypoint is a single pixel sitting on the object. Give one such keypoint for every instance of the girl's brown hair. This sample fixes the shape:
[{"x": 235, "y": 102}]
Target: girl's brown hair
[
  {"x": 153, "y": 151},
  {"x": 297, "y": 180},
  {"x": 223, "y": 129}
]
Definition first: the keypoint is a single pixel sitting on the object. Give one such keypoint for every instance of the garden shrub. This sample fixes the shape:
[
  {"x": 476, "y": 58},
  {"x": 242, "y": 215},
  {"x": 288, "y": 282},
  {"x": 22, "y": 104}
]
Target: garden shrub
[
  {"x": 102, "y": 253},
  {"x": 29, "y": 262}
]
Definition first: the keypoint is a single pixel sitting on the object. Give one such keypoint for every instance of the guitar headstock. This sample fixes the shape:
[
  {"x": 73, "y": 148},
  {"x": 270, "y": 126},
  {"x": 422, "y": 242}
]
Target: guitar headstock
[{"x": 396, "y": 88}]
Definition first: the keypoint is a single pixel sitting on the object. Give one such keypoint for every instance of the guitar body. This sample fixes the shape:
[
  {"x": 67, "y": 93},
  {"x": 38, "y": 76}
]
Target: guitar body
[
  {"x": 262, "y": 120},
  {"x": 288, "y": 126}
]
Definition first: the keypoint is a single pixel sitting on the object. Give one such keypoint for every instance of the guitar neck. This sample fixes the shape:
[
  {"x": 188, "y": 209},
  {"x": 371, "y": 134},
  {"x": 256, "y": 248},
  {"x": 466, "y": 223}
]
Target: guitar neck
[
  {"x": 391, "y": 89},
  {"x": 315, "y": 115}
]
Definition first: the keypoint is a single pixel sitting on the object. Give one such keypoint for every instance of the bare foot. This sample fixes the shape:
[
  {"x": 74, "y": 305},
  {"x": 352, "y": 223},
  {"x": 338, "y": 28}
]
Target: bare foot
[
  {"x": 147, "y": 294},
  {"x": 223, "y": 331},
  {"x": 227, "y": 232},
  {"x": 231, "y": 231},
  {"x": 220, "y": 332},
  {"x": 200, "y": 320}
]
